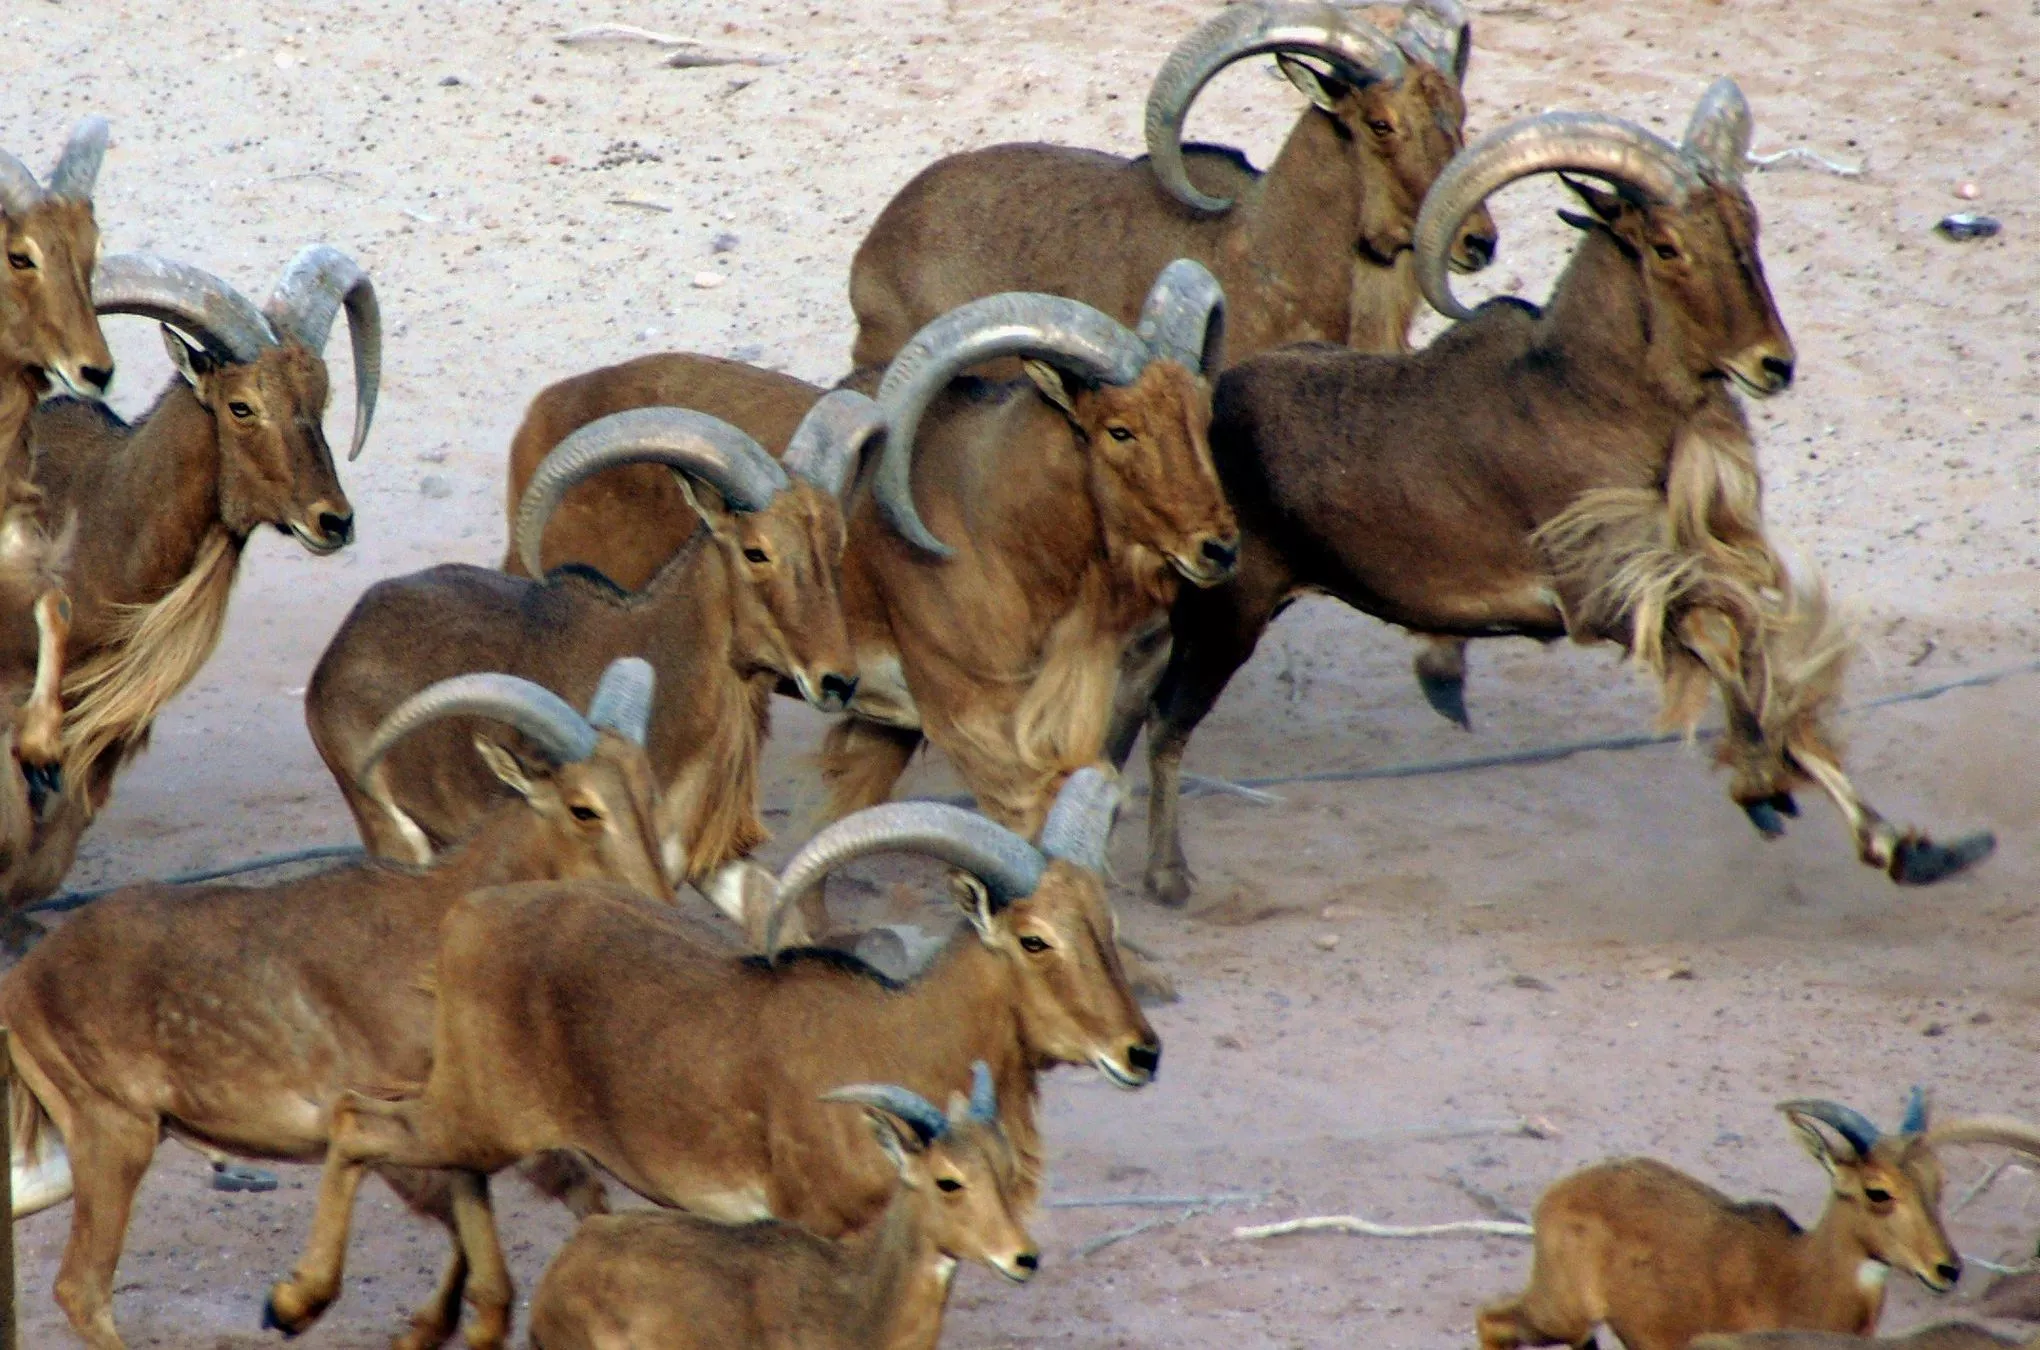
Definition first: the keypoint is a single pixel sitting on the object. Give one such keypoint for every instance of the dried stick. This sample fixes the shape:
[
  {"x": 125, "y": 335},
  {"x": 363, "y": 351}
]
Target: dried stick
[
  {"x": 1495, "y": 1206},
  {"x": 1347, "y": 1223},
  {"x": 1099, "y": 1244},
  {"x": 1799, "y": 154},
  {"x": 1197, "y": 783},
  {"x": 1983, "y": 1183},
  {"x": 1156, "y": 1201},
  {"x": 625, "y": 32}
]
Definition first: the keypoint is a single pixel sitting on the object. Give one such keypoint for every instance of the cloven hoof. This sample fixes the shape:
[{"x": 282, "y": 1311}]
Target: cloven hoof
[
  {"x": 1921, "y": 862},
  {"x": 1447, "y": 697},
  {"x": 1769, "y": 814}
]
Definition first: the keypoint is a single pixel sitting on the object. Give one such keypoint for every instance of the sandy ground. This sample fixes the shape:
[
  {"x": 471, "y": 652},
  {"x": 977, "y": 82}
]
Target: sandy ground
[{"x": 1502, "y": 938}]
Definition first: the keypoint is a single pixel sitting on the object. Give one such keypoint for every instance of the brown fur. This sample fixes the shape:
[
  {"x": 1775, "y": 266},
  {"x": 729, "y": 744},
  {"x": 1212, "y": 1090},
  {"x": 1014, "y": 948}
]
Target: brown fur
[
  {"x": 719, "y": 630},
  {"x": 1660, "y": 1258},
  {"x": 1578, "y": 470},
  {"x": 729, "y": 1124},
  {"x": 1937, "y": 1336},
  {"x": 674, "y": 1280},
  {"x": 233, "y": 1016}
]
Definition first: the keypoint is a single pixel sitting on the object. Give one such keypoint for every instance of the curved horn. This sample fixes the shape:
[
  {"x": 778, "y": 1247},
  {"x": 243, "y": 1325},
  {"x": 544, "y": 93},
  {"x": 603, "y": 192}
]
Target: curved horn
[
  {"x": 78, "y": 167},
  {"x": 984, "y": 1095},
  {"x": 1067, "y": 333},
  {"x": 1008, "y": 865},
  {"x": 1589, "y": 143},
  {"x": 307, "y": 296},
  {"x": 1354, "y": 48},
  {"x": 1183, "y": 318},
  {"x": 1846, "y": 1121},
  {"x": 219, "y": 317},
  {"x": 828, "y": 441},
  {"x": 696, "y": 444},
  {"x": 1915, "y": 1121},
  {"x": 1718, "y": 134},
  {"x": 910, "y": 1108},
  {"x": 19, "y": 192},
  {"x": 538, "y": 712},
  {"x": 1079, "y": 825},
  {"x": 623, "y": 700},
  {"x": 2001, "y": 1130}
]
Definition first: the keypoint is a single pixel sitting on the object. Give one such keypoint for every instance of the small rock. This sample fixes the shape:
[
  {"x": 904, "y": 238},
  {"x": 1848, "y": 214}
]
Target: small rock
[
  {"x": 1540, "y": 1127},
  {"x": 647, "y": 334},
  {"x": 432, "y": 456},
  {"x": 434, "y": 488},
  {"x": 1530, "y": 982},
  {"x": 555, "y": 159},
  {"x": 1678, "y": 970},
  {"x": 285, "y": 60},
  {"x": 1728, "y": 1137},
  {"x": 723, "y": 242},
  {"x": 1969, "y": 192},
  {"x": 750, "y": 351},
  {"x": 1325, "y": 942},
  {"x": 448, "y": 81},
  {"x": 539, "y": 99},
  {"x": 1982, "y": 1019},
  {"x": 708, "y": 281},
  {"x": 1934, "y": 1029},
  {"x": 1967, "y": 225},
  {"x": 1227, "y": 1042}
]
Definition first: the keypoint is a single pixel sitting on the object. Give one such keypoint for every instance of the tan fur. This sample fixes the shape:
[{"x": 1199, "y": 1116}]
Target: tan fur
[
  {"x": 152, "y": 653},
  {"x": 1659, "y": 1258},
  {"x": 1937, "y": 1336},
  {"x": 731, "y": 1126}
]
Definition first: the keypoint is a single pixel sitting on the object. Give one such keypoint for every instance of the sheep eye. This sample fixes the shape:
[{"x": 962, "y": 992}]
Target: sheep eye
[
  {"x": 1381, "y": 128},
  {"x": 581, "y": 812},
  {"x": 1119, "y": 433},
  {"x": 1033, "y": 944},
  {"x": 756, "y": 555},
  {"x": 1876, "y": 1196},
  {"x": 240, "y": 409},
  {"x": 948, "y": 1184},
  {"x": 1667, "y": 252},
  {"x": 20, "y": 262}
]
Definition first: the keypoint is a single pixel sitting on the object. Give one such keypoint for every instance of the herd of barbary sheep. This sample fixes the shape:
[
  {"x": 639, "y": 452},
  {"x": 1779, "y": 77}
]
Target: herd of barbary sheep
[{"x": 1108, "y": 417}]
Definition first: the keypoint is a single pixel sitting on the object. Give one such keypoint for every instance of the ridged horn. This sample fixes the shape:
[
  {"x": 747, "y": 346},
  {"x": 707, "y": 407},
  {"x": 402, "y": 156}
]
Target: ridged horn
[
  {"x": 1066, "y": 333},
  {"x": 540, "y": 714},
  {"x": 696, "y": 444},
  {"x": 826, "y": 445},
  {"x": 307, "y": 296},
  {"x": 1718, "y": 134},
  {"x": 1356, "y": 50},
  {"x": 1590, "y": 143},
  {"x": 78, "y": 167},
  {"x": 2001, "y": 1130},
  {"x": 1008, "y": 865},
  {"x": 1845, "y": 1121},
  {"x": 984, "y": 1094},
  {"x": 623, "y": 700},
  {"x": 1079, "y": 825},
  {"x": 910, "y": 1108},
  {"x": 1183, "y": 318},
  {"x": 215, "y": 315}
]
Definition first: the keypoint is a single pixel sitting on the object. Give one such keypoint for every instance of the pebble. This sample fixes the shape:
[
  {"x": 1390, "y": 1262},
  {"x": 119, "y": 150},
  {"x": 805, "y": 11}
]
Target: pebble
[
  {"x": 708, "y": 281},
  {"x": 434, "y": 488},
  {"x": 723, "y": 242},
  {"x": 1969, "y": 192},
  {"x": 1326, "y": 941}
]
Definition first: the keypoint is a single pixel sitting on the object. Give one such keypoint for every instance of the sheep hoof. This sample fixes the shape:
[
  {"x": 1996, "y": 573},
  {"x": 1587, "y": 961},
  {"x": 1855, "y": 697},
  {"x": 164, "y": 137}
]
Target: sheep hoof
[
  {"x": 1922, "y": 862},
  {"x": 1447, "y": 697},
  {"x": 1170, "y": 886},
  {"x": 1766, "y": 816}
]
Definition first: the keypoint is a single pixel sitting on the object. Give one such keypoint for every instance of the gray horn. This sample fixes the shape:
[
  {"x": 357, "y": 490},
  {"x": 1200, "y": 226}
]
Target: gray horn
[
  {"x": 542, "y": 716},
  {"x": 1079, "y": 825},
  {"x": 78, "y": 168},
  {"x": 1357, "y": 51},
  {"x": 307, "y": 296},
  {"x": 1845, "y": 1121},
  {"x": 1437, "y": 32},
  {"x": 1590, "y": 143},
  {"x": 1915, "y": 1119},
  {"x": 623, "y": 700},
  {"x": 696, "y": 444},
  {"x": 1183, "y": 319},
  {"x": 19, "y": 192},
  {"x": 2002, "y": 1130},
  {"x": 1066, "y": 333},
  {"x": 826, "y": 445},
  {"x": 910, "y": 1108},
  {"x": 215, "y": 315},
  {"x": 1717, "y": 139},
  {"x": 1008, "y": 865},
  {"x": 984, "y": 1095}
]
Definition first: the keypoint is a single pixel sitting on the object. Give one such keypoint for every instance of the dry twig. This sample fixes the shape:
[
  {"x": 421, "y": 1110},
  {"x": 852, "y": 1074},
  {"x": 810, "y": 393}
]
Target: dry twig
[
  {"x": 1799, "y": 154},
  {"x": 1347, "y": 1223}
]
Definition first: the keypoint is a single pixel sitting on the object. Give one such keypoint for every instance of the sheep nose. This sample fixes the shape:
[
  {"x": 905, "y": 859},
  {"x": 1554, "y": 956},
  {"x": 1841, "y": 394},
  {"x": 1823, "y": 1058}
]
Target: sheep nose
[
  {"x": 97, "y": 376},
  {"x": 1949, "y": 1271},
  {"x": 1780, "y": 371},
  {"x": 1028, "y": 1261},
  {"x": 838, "y": 690},
  {"x": 1222, "y": 553},
  {"x": 1479, "y": 250},
  {"x": 1146, "y": 1058},
  {"x": 336, "y": 527}
]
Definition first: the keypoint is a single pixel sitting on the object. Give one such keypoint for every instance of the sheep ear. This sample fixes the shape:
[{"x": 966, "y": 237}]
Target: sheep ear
[
  {"x": 1323, "y": 90},
  {"x": 191, "y": 361},
  {"x": 1053, "y": 387},
  {"x": 976, "y": 903},
  {"x": 709, "y": 505},
  {"x": 508, "y": 769},
  {"x": 1819, "y": 1146},
  {"x": 895, "y": 1136}
]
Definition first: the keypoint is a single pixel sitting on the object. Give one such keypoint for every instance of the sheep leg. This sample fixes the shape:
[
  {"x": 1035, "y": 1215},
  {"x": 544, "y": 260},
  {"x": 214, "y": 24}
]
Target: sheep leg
[
  {"x": 1140, "y": 674},
  {"x": 294, "y": 1304},
  {"x": 110, "y": 1153},
  {"x": 39, "y": 742},
  {"x": 1441, "y": 675},
  {"x": 1515, "y": 1322},
  {"x": 1906, "y": 856},
  {"x": 489, "y": 1289}
]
